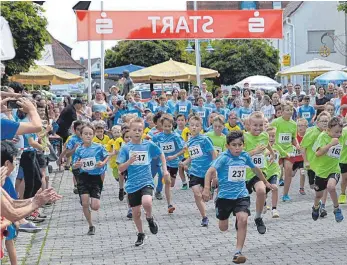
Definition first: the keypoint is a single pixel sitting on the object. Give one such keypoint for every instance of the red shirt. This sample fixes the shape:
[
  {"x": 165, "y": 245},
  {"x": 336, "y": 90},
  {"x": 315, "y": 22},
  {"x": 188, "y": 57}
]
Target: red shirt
[
  {"x": 344, "y": 101},
  {"x": 298, "y": 158}
]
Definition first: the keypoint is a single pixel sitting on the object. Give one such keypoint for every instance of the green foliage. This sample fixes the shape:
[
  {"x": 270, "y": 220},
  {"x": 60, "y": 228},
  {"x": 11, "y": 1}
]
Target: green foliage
[
  {"x": 237, "y": 59},
  {"x": 342, "y": 7},
  {"x": 28, "y": 27}
]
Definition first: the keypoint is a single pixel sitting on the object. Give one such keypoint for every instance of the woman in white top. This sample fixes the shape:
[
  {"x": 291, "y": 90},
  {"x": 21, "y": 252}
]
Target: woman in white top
[{"x": 99, "y": 104}]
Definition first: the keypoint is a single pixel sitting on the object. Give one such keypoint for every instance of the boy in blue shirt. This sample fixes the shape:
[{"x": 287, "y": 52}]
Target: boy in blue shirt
[
  {"x": 172, "y": 145},
  {"x": 163, "y": 107},
  {"x": 153, "y": 104},
  {"x": 209, "y": 104},
  {"x": 202, "y": 112},
  {"x": 183, "y": 106},
  {"x": 233, "y": 197},
  {"x": 306, "y": 111},
  {"x": 91, "y": 161},
  {"x": 219, "y": 108},
  {"x": 201, "y": 154},
  {"x": 246, "y": 110},
  {"x": 136, "y": 157}
]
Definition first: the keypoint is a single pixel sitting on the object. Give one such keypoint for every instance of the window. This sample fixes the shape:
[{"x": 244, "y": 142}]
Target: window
[
  {"x": 316, "y": 42},
  {"x": 277, "y": 5},
  {"x": 98, "y": 66}
]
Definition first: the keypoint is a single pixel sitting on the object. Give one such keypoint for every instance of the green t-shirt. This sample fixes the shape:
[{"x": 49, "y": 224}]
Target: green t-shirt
[
  {"x": 308, "y": 141},
  {"x": 251, "y": 142},
  {"x": 274, "y": 168},
  {"x": 343, "y": 158},
  {"x": 328, "y": 163},
  {"x": 285, "y": 133},
  {"x": 219, "y": 142}
]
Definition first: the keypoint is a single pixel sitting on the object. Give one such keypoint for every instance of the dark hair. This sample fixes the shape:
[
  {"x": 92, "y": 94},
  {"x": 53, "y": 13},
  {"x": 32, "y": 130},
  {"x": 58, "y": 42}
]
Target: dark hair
[
  {"x": 335, "y": 121},
  {"x": 124, "y": 127},
  {"x": 69, "y": 101},
  {"x": 8, "y": 151},
  {"x": 233, "y": 135},
  {"x": 119, "y": 102},
  {"x": 180, "y": 115},
  {"x": 77, "y": 123},
  {"x": 17, "y": 87},
  {"x": 77, "y": 101},
  {"x": 246, "y": 89},
  {"x": 306, "y": 98},
  {"x": 157, "y": 117},
  {"x": 218, "y": 100},
  {"x": 125, "y": 132},
  {"x": 167, "y": 117}
]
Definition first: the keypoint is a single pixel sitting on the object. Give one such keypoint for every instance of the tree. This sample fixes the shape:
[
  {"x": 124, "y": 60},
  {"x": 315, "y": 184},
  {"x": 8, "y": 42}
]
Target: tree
[
  {"x": 28, "y": 27},
  {"x": 145, "y": 53},
  {"x": 237, "y": 59},
  {"x": 342, "y": 7}
]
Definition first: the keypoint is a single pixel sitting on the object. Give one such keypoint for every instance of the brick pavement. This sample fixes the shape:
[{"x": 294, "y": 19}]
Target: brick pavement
[{"x": 294, "y": 238}]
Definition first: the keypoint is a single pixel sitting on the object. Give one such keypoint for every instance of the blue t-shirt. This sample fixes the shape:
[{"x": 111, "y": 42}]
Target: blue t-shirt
[
  {"x": 307, "y": 112},
  {"x": 170, "y": 144},
  {"x": 8, "y": 129},
  {"x": 210, "y": 106},
  {"x": 9, "y": 188},
  {"x": 245, "y": 112},
  {"x": 164, "y": 109},
  {"x": 172, "y": 105},
  {"x": 152, "y": 105},
  {"x": 199, "y": 149},
  {"x": 90, "y": 156},
  {"x": 117, "y": 120},
  {"x": 237, "y": 111},
  {"x": 27, "y": 147},
  {"x": 139, "y": 172},
  {"x": 203, "y": 114},
  {"x": 178, "y": 131},
  {"x": 231, "y": 172},
  {"x": 183, "y": 107},
  {"x": 74, "y": 139}
]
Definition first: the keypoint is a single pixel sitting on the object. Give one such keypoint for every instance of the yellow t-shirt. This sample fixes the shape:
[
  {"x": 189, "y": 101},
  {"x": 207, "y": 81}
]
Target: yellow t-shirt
[
  {"x": 104, "y": 141},
  {"x": 235, "y": 128},
  {"x": 186, "y": 136},
  {"x": 114, "y": 144}
]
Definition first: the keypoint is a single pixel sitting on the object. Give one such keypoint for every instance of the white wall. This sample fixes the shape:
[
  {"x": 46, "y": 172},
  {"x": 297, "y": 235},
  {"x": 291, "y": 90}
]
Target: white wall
[{"x": 95, "y": 66}]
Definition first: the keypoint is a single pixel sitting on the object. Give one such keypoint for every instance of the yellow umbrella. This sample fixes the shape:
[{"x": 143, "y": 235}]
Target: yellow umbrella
[
  {"x": 46, "y": 75},
  {"x": 171, "y": 71},
  {"x": 314, "y": 67}
]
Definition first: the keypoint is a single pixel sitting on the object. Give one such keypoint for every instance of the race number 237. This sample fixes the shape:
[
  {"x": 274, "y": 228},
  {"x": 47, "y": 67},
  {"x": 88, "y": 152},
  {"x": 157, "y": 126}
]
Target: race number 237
[{"x": 236, "y": 174}]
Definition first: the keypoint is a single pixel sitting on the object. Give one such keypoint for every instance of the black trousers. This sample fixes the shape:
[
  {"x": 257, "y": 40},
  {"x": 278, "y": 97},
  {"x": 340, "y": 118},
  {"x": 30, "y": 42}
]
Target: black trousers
[{"x": 32, "y": 174}]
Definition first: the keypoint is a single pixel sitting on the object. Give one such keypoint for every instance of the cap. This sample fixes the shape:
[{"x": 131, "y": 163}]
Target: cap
[{"x": 154, "y": 93}]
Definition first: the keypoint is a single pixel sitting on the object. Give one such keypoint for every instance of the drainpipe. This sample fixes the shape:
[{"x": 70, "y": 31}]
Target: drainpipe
[{"x": 293, "y": 42}]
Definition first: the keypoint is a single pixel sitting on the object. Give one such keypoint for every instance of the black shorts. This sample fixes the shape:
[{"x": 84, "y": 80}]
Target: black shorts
[
  {"x": 193, "y": 181},
  {"x": 250, "y": 184},
  {"x": 42, "y": 159},
  {"x": 272, "y": 180},
  {"x": 76, "y": 172},
  {"x": 224, "y": 207},
  {"x": 135, "y": 198},
  {"x": 173, "y": 171},
  {"x": 298, "y": 165},
  {"x": 89, "y": 184},
  {"x": 311, "y": 176},
  {"x": 321, "y": 183},
  {"x": 343, "y": 168}
]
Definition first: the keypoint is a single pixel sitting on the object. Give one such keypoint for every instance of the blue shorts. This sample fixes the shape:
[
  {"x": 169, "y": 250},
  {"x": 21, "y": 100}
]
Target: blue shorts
[
  {"x": 20, "y": 174},
  {"x": 12, "y": 232}
]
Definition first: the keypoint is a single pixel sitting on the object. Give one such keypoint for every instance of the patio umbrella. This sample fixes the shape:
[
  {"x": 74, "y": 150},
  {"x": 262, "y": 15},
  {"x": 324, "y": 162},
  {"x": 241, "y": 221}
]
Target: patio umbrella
[
  {"x": 117, "y": 71},
  {"x": 171, "y": 71},
  {"x": 46, "y": 75},
  {"x": 314, "y": 67},
  {"x": 336, "y": 77},
  {"x": 259, "y": 81}
]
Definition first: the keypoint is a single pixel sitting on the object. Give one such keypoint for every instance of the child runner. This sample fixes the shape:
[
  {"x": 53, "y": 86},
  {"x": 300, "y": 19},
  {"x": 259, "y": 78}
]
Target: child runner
[
  {"x": 306, "y": 111},
  {"x": 343, "y": 167},
  {"x": 246, "y": 110},
  {"x": 172, "y": 145},
  {"x": 163, "y": 107},
  {"x": 330, "y": 108},
  {"x": 91, "y": 159},
  {"x": 268, "y": 109},
  {"x": 181, "y": 123},
  {"x": 209, "y": 104},
  {"x": 202, "y": 112},
  {"x": 217, "y": 137},
  {"x": 233, "y": 197},
  {"x": 233, "y": 124},
  {"x": 256, "y": 142},
  {"x": 286, "y": 138},
  {"x": 183, "y": 106},
  {"x": 136, "y": 157},
  {"x": 328, "y": 149},
  {"x": 153, "y": 103},
  {"x": 201, "y": 155}
]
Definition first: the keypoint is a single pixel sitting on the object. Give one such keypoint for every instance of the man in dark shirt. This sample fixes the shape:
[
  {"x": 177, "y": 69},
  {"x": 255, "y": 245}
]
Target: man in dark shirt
[
  {"x": 330, "y": 91},
  {"x": 67, "y": 117}
]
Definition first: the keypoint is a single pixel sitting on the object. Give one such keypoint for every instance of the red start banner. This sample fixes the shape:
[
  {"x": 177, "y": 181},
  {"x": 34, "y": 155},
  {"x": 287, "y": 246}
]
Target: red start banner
[{"x": 156, "y": 25}]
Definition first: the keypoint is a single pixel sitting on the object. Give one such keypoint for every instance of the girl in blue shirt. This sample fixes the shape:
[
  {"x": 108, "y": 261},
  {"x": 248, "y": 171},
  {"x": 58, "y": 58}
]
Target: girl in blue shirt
[{"x": 91, "y": 160}]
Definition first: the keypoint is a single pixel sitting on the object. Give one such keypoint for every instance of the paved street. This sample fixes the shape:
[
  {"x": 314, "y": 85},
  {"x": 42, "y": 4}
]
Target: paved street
[{"x": 294, "y": 238}]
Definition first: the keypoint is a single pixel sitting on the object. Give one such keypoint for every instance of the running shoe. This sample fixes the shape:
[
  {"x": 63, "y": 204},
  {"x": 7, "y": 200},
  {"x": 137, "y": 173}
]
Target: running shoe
[
  {"x": 29, "y": 228},
  {"x": 91, "y": 230},
  {"x": 315, "y": 212},
  {"x": 281, "y": 182},
  {"x": 140, "y": 239},
  {"x": 130, "y": 213},
  {"x": 153, "y": 227},
  {"x": 275, "y": 213},
  {"x": 260, "y": 225},
  {"x": 338, "y": 215},
  {"x": 286, "y": 198},
  {"x": 36, "y": 213},
  {"x": 239, "y": 258},
  {"x": 158, "y": 196},
  {"x": 75, "y": 190},
  {"x": 121, "y": 194},
  {"x": 302, "y": 191},
  {"x": 184, "y": 186},
  {"x": 204, "y": 222},
  {"x": 171, "y": 209},
  {"x": 34, "y": 219},
  {"x": 342, "y": 199},
  {"x": 323, "y": 212}
]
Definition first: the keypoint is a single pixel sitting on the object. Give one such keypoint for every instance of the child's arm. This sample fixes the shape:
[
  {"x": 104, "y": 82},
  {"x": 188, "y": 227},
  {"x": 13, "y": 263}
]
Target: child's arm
[
  {"x": 258, "y": 150},
  {"x": 272, "y": 154},
  {"x": 295, "y": 143},
  {"x": 260, "y": 175},
  {"x": 324, "y": 149},
  {"x": 35, "y": 144},
  {"x": 211, "y": 174},
  {"x": 166, "y": 174},
  {"x": 180, "y": 153},
  {"x": 303, "y": 153},
  {"x": 124, "y": 166},
  {"x": 214, "y": 154},
  {"x": 103, "y": 163}
]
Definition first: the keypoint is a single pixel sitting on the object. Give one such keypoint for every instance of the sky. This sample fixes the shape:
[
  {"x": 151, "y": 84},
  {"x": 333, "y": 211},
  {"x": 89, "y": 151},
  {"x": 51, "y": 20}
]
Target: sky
[{"x": 62, "y": 20}]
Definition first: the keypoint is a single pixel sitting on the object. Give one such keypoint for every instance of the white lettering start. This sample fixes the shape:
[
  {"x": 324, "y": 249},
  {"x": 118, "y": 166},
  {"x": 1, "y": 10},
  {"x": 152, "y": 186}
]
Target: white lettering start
[{"x": 168, "y": 24}]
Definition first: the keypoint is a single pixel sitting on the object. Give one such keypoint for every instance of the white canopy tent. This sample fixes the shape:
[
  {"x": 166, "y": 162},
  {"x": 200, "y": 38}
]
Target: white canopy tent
[{"x": 259, "y": 82}]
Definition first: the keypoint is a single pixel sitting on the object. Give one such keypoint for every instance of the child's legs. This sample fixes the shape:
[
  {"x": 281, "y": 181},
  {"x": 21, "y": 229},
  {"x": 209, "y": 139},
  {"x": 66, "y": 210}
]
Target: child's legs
[
  {"x": 331, "y": 188},
  {"x": 147, "y": 204},
  {"x": 343, "y": 183},
  {"x": 288, "y": 168},
  {"x": 160, "y": 181},
  {"x": 197, "y": 190},
  {"x": 182, "y": 174},
  {"x": 223, "y": 225},
  {"x": 325, "y": 197},
  {"x": 302, "y": 178},
  {"x": 95, "y": 204},
  {"x": 85, "y": 199},
  {"x": 121, "y": 179},
  {"x": 242, "y": 218},
  {"x": 11, "y": 250},
  {"x": 261, "y": 196},
  {"x": 43, "y": 173},
  {"x": 137, "y": 218},
  {"x": 168, "y": 193}
]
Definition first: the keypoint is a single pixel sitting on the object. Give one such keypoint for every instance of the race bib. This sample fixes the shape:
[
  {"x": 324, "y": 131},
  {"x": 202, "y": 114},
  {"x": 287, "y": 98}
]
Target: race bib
[
  {"x": 276, "y": 158},
  {"x": 296, "y": 152},
  {"x": 236, "y": 174},
  {"x": 201, "y": 114},
  {"x": 218, "y": 149},
  {"x": 195, "y": 151},
  {"x": 154, "y": 108},
  {"x": 258, "y": 160},
  {"x": 335, "y": 151},
  {"x": 182, "y": 108},
  {"x": 141, "y": 158},
  {"x": 285, "y": 138},
  {"x": 244, "y": 116},
  {"x": 168, "y": 147},
  {"x": 119, "y": 121},
  {"x": 306, "y": 115},
  {"x": 88, "y": 163}
]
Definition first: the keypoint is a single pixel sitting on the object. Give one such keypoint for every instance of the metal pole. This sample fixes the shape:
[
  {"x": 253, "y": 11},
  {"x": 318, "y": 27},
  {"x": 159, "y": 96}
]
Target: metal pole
[
  {"x": 102, "y": 59},
  {"x": 197, "y": 53},
  {"x": 89, "y": 74}
]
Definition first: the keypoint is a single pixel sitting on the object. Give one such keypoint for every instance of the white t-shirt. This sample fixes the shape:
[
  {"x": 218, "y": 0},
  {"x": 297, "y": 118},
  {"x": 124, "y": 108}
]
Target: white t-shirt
[{"x": 268, "y": 111}]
